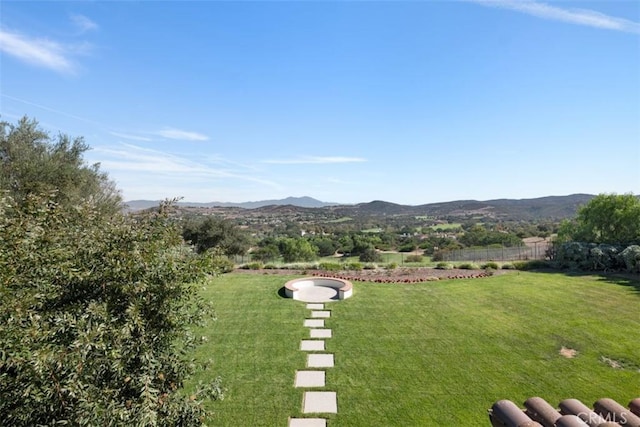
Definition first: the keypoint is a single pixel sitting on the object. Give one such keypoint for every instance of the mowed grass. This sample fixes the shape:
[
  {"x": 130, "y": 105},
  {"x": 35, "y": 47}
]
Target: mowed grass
[
  {"x": 399, "y": 258},
  {"x": 438, "y": 353}
]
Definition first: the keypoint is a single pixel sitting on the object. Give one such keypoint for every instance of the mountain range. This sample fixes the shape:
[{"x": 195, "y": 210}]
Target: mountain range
[
  {"x": 303, "y": 202},
  {"x": 551, "y": 207}
]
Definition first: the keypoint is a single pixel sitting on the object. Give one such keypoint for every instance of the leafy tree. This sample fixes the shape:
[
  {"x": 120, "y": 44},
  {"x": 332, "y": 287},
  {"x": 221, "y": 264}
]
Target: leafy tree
[
  {"x": 326, "y": 246},
  {"x": 210, "y": 232},
  {"x": 608, "y": 218},
  {"x": 370, "y": 255},
  {"x": 299, "y": 249},
  {"x": 477, "y": 235},
  {"x": 95, "y": 306},
  {"x": 345, "y": 244},
  {"x": 32, "y": 162},
  {"x": 95, "y": 316},
  {"x": 266, "y": 253}
]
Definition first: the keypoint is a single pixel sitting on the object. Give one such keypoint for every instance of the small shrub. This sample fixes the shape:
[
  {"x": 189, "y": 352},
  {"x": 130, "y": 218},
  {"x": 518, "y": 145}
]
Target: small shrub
[
  {"x": 370, "y": 255},
  {"x": 438, "y": 256},
  {"x": 355, "y": 266},
  {"x": 535, "y": 264},
  {"x": 414, "y": 258},
  {"x": 219, "y": 262},
  {"x": 330, "y": 266},
  {"x": 256, "y": 265},
  {"x": 490, "y": 266},
  {"x": 391, "y": 266},
  {"x": 409, "y": 247},
  {"x": 270, "y": 267},
  {"x": 223, "y": 265},
  {"x": 300, "y": 266},
  {"x": 467, "y": 266},
  {"x": 443, "y": 266},
  {"x": 508, "y": 267},
  {"x": 370, "y": 266},
  {"x": 631, "y": 258}
]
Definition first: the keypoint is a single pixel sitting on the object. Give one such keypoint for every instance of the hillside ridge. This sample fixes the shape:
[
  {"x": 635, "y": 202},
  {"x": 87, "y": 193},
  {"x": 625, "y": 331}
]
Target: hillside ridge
[{"x": 548, "y": 207}]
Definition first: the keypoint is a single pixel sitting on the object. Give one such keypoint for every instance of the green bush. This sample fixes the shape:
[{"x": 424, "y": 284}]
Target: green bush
[
  {"x": 253, "y": 266},
  {"x": 95, "y": 317},
  {"x": 631, "y": 258},
  {"x": 536, "y": 264},
  {"x": 391, "y": 266},
  {"x": 370, "y": 254},
  {"x": 300, "y": 266},
  {"x": 414, "y": 258},
  {"x": 467, "y": 266},
  {"x": 508, "y": 267},
  {"x": 438, "y": 256},
  {"x": 443, "y": 266},
  {"x": 407, "y": 247},
  {"x": 490, "y": 265},
  {"x": 355, "y": 266},
  {"x": 270, "y": 267},
  {"x": 330, "y": 266},
  {"x": 222, "y": 264}
]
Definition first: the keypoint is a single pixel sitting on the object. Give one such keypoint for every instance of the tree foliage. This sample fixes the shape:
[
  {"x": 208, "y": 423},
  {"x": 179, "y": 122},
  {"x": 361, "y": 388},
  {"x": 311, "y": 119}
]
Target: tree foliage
[
  {"x": 32, "y": 163},
  {"x": 477, "y": 235},
  {"x": 210, "y": 232},
  {"x": 94, "y": 317},
  {"x": 608, "y": 218},
  {"x": 296, "y": 249},
  {"x": 95, "y": 306}
]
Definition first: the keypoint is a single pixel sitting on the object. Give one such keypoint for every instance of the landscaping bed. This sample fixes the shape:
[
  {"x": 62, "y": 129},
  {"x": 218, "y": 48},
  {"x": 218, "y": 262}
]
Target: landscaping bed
[{"x": 400, "y": 274}]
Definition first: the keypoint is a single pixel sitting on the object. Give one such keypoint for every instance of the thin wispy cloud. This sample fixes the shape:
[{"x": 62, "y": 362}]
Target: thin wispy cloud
[
  {"x": 315, "y": 160},
  {"x": 39, "y": 52},
  {"x": 131, "y": 137},
  {"x": 183, "y": 135},
  {"x": 53, "y": 110},
  {"x": 132, "y": 158},
  {"x": 585, "y": 17},
  {"x": 83, "y": 24}
]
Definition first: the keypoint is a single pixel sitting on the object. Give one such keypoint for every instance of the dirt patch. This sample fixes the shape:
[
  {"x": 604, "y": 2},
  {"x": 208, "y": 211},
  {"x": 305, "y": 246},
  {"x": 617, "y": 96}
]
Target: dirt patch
[
  {"x": 569, "y": 353},
  {"x": 611, "y": 362}
]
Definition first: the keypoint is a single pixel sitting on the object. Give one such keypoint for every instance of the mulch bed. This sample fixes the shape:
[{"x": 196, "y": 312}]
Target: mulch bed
[{"x": 397, "y": 275}]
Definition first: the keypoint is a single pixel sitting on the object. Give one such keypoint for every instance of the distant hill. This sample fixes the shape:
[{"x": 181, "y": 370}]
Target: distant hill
[
  {"x": 551, "y": 207},
  {"x": 304, "y": 202}
]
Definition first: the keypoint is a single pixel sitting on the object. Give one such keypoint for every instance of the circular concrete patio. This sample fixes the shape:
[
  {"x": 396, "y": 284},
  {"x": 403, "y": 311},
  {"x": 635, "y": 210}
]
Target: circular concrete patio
[{"x": 318, "y": 289}]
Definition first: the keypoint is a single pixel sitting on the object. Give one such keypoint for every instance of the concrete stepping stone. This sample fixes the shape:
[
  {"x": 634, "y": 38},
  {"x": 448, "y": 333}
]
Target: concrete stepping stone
[
  {"x": 320, "y": 402},
  {"x": 320, "y": 361},
  {"x": 320, "y": 314},
  {"x": 309, "y": 379},
  {"x": 307, "y": 422},
  {"x": 312, "y": 345},
  {"x": 314, "y": 323},
  {"x": 320, "y": 333},
  {"x": 315, "y": 306}
]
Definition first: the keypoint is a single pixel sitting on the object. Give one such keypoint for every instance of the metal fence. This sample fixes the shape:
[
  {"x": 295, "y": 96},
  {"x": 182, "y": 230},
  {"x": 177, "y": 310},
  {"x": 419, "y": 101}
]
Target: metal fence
[{"x": 536, "y": 250}]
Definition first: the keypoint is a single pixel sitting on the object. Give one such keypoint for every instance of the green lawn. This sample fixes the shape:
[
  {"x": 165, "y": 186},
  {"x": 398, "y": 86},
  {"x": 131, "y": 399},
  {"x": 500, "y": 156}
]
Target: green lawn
[
  {"x": 387, "y": 257},
  {"x": 449, "y": 226},
  {"x": 410, "y": 355}
]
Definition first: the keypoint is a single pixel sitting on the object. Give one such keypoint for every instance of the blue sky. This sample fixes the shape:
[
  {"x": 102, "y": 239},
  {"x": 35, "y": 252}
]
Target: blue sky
[{"x": 345, "y": 101}]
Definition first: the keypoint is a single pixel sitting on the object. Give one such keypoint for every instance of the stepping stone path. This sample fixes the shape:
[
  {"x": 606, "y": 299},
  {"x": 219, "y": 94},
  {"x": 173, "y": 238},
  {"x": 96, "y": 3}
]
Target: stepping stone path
[{"x": 316, "y": 401}]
